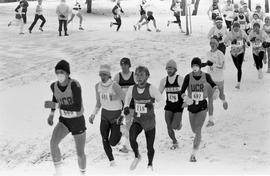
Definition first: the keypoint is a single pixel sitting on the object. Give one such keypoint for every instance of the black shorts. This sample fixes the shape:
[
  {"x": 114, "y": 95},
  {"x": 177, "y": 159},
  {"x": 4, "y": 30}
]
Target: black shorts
[
  {"x": 75, "y": 125},
  {"x": 173, "y": 109},
  {"x": 150, "y": 16},
  {"x": 199, "y": 107}
]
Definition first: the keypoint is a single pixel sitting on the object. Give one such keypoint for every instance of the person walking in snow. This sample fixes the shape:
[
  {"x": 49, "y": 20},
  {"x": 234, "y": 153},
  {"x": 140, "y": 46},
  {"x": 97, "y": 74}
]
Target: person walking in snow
[
  {"x": 62, "y": 10},
  {"x": 76, "y": 10},
  {"x": 109, "y": 98},
  {"x": 38, "y": 15},
  {"x": 174, "y": 104},
  {"x": 176, "y": 8},
  {"x": 197, "y": 83},
  {"x": 146, "y": 98},
  {"x": 117, "y": 10},
  {"x": 18, "y": 20},
  {"x": 67, "y": 97}
]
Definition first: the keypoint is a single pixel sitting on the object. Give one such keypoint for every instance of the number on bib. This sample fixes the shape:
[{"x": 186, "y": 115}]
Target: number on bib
[
  {"x": 197, "y": 96},
  {"x": 172, "y": 97},
  {"x": 238, "y": 44},
  {"x": 68, "y": 114},
  {"x": 105, "y": 97},
  {"x": 140, "y": 108}
]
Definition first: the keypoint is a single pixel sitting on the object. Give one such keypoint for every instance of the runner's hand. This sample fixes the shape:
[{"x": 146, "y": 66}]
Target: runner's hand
[
  {"x": 188, "y": 100},
  {"x": 126, "y": 111},
  {"x": 50, "y": 120},
  {"x": 51, "y": 105},
  {"x": 209, "y": 63},
  {"x": 92, "y": 118}
]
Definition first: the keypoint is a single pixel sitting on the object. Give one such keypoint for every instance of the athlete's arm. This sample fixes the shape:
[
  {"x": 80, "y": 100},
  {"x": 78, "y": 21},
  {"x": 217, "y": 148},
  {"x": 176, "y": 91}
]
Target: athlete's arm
[
  {"x": 17, "y": 8},
  {"x": 116, "y": 78},
  {"x": 159, "y": 99},
  {"x": 113, "y": 10},
  {"x": 77, "y": 99},
  {"x": 118, "y": 90},
  {"x": 180, "y": 80},
  {"x": 210, "y": 80},
  {"x": 53, "y": 97},
  {"x": 162, "y": 85},
  {"x": 128, "y": 96},
  {"x": 98, "y": 103},
  {"x": 184, "y": 85}
]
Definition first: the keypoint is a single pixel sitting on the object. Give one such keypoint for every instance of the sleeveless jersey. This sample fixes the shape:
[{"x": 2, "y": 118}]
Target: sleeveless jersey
[
  {"x": 125, "y": 84},
  {"x": 66, "y": 98},
  {"x": 242, "y": 22},
  {"x": 142, "y": 115},
  {"x": 174, "y": 100},
  {"x": 197, "y": 89}
]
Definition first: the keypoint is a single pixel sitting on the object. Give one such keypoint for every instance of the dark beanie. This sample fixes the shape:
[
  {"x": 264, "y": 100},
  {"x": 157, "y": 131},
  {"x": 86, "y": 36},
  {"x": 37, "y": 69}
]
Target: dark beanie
[
  {"x": 196, "y": 61},
  {"x": 125, "y": 61},
  {"x": 236, "y": 24},
  {"x": 63, "y": 65}
]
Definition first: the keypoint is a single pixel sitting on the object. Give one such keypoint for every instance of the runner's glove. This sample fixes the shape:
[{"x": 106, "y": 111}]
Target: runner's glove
[
  {"x": 209, "y": 63},
  {"x": 50, "y": 120},
  {"x": 126, "y": 111},
  {"x": 253, "y": 39},
  {"x": 266, "y": 44},
  {"x": 188, "y": 100},
  {"x": 92, "y": 118},
  {"x": 51, "y": 105}
]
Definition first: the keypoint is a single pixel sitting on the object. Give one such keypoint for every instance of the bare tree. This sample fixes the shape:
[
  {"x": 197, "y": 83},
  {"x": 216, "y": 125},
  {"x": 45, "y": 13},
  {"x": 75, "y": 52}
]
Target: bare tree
[{"x": 266, "y": 4}]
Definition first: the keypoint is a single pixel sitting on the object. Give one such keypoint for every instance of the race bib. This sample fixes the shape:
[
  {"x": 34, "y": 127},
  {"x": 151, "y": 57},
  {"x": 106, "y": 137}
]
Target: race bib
[
  {"x": 257, "y": 44},
  {"x": 68, "y": 114},
  {"x": 173, "y": 97},
  {"x": 197, "y": 96},
  {"x": 105, "y": 97},
  {"x": 238, "y": 44},
  {"x": 140, "y": 109}
]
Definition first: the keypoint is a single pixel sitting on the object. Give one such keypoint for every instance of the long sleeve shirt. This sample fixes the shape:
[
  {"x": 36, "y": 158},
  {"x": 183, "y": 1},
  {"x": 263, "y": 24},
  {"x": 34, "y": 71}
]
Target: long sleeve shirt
[
  {"x": 154, "y": 93},
  {"x": 62, "y": 10}
]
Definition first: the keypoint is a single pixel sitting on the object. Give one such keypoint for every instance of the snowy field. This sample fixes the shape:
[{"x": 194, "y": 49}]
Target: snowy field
[{"x": 239, "y": 143}]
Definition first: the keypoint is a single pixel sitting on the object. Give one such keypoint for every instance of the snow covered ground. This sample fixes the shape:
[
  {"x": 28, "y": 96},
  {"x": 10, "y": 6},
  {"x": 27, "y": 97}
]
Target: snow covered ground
[{"x": 239, "y": 143}]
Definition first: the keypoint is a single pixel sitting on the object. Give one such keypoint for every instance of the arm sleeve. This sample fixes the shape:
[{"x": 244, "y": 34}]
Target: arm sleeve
[
  {"x": 53, "y": 97},
  {"x": 119, "y": 91},
  {"x": 159, "y": 99},
  {"x": 77, "y": 99},
  {"x": 185, "y": 85},
  {"x": 209, "y": 80},
  {"x": 17, "y": 8},
  {"x": 162, "y": 85},
  {"x": 128, "y": 96},
  {"x": 113, "y": 10},
  {"x": 116, "y": 78}
]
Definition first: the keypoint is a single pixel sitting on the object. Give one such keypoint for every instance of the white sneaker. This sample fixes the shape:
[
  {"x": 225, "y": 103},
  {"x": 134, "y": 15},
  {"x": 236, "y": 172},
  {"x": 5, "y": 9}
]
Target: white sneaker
[
  {"x": 124, "y": 149},
  {"x": 210, "y": 123},
  {"x": 237, "y": 86},
  {"x": 174, "y": 146},
  {"x": 112, "y": 163},
  {"x": 150, "y": 168},
  {"x": 135, "y": 163}
]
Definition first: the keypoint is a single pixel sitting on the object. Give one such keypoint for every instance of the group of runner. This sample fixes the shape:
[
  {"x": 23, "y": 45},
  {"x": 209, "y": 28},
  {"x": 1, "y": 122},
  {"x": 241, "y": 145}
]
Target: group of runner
[{"x": 243, "y": 29}]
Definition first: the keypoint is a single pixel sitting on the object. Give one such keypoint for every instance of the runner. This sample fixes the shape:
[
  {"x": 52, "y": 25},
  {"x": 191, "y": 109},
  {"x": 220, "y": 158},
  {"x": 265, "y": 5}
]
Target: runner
[
  {"x": 62, "y": 11},
  {"x": 216, "y": 66},
  {"x": 18, "y": 21},
  {"x": 143, "y": 15},
  {"x": 67, "y": 97},
  {"x": 236, "y": 9},
  {"x": 117, "y": 10},
  {"x": 145, "y": 97},
  {"x": 38, "y": 15},
  {"x": 247, "y": 11},
  {"x": 221, "y": 32},
  {"x": 77, "y": 11},
  {"x": 110, "y": 98},
  {"x": 196, "y": 82},
  {"x": 259, "y": 11},
  {"x": 228, "y": 14},
  {"x": 176, "y": 8},
  {"x": 259, "y": 40},
  {"x": 266, "y": 28},
  {"x": 256, "y": 19},
  {"x": 125, "y": 79},
  {"x": 22, "y": 9},
  {"x": 173, "y": 109},
  {"x": 149, "y": 7},
  {"x": 243, "y": 21},
  {"x": 237, "y": 38},
  {"x": 215, "y": 11}
]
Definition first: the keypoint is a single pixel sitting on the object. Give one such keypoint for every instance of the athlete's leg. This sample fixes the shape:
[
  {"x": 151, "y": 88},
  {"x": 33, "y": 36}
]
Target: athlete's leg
[
  {"x": 256, "y": 60},
  {"x": 119, "y": 23},
  {"x": 80, "y": 145},
  {"x": 34, "y": 23},
  {"x": 43, "y": 20},
  {"x": 150, "y": 139},
  {"x": 71, "y": 18},
  {"x": 81, "y": 18},
  {"x": 115, "y": 135},
  {"x": 134, "y": 131},
  {"x": 177, "y": 121},
  {"x": 105, "y": 128},
  {"x": 60, "y": 131},
  {"x": 169, "y": 119}
]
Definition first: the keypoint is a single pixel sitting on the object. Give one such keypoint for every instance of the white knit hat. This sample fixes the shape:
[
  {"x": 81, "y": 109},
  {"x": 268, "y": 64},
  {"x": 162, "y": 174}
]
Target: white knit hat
[
  {"x": 172, "y": 64},
  {"x": 105, "y": 68}
]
